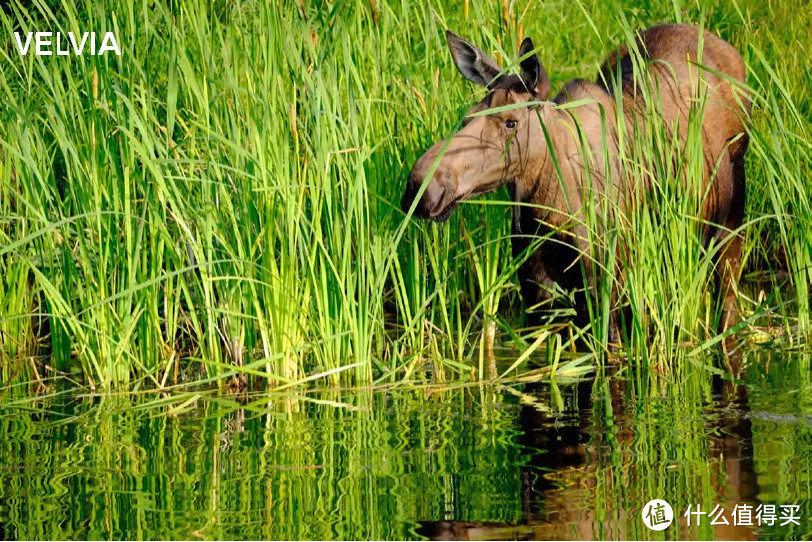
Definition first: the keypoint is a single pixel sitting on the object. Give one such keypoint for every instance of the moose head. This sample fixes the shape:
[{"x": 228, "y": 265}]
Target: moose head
[{"x": 491, "y": 149}]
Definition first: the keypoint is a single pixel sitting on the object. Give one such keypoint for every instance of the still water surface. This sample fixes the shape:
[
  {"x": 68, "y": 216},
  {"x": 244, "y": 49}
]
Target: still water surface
[{"x": 568, "y": 461}]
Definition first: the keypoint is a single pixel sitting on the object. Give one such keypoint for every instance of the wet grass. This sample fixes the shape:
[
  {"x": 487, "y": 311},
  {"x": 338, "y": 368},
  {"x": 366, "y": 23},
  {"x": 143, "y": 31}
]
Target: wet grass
[{"x": 219, "y": 204}]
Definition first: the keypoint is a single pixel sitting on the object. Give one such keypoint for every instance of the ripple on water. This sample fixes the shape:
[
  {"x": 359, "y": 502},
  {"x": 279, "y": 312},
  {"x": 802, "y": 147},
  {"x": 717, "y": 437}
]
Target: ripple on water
[{"x": 578, "y": 461}]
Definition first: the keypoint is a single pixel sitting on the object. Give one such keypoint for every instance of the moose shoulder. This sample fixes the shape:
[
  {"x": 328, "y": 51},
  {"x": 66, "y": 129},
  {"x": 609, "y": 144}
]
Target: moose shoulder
[{"x": 536, "y": 151}]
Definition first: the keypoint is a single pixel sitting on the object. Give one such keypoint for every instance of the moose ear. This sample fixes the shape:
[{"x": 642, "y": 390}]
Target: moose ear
[
  {"x": 473, "y": 64},
  {"x": 534, "y": 75}
]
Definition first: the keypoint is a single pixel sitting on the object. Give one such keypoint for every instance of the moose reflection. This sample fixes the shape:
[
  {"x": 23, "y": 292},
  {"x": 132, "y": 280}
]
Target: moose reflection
[{"x": 560, "y": 484}]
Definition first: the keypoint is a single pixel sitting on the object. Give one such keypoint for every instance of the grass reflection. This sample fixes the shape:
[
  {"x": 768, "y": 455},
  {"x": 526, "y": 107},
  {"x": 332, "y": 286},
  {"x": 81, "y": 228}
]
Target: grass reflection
[{"x": 576, "y": 460}]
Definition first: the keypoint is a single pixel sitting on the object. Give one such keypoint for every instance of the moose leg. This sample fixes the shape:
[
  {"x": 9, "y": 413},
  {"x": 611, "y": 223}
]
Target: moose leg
[
  {"x": 619, "y": 318},
  {"x": 729, "y": 262}
]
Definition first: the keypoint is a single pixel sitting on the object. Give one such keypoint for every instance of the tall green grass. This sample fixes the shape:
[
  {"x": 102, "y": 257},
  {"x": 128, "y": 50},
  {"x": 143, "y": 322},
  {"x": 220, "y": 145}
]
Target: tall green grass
[{"x": 221, "y": 200}]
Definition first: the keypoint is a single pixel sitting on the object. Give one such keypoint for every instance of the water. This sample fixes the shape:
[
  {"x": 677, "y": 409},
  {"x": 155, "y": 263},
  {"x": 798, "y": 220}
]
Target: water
[{"x": 574, "y": 460}]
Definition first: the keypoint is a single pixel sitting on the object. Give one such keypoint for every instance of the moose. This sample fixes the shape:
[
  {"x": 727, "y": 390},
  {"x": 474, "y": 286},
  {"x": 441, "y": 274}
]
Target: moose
[{"x": 516, "y": 137}]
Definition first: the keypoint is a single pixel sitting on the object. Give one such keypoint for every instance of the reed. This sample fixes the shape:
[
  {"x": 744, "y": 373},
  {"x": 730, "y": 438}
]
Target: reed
[{"x": 219, "y": 202}]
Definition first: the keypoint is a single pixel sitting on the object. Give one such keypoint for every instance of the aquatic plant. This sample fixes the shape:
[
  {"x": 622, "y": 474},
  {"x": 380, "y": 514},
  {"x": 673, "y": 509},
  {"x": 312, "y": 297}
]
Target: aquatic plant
[{"x": 219, "y": 203}]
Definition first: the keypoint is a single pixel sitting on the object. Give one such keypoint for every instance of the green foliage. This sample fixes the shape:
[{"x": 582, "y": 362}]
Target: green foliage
[{"x": 222, "y": 199}]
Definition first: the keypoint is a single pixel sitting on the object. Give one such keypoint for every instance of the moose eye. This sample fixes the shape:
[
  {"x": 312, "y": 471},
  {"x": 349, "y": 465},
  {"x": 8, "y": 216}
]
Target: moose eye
[{"x": 510, "y": 124}]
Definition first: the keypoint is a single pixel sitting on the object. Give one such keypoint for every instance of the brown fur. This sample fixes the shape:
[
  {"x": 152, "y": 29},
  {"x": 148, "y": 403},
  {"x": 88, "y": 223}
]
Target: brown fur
[{"x": 490, "y": 151}]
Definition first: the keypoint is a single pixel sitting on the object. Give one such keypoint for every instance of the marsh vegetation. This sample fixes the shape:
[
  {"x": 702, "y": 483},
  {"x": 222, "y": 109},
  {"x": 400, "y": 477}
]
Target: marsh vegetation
[
  {"x": 220, "y": 202},
  {"x": 218, "y": 208}
]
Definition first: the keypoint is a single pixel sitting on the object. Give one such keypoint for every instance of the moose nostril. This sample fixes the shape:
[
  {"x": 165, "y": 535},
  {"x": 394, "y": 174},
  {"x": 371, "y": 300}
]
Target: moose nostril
[
  {"x": 430, "y": 200},
  {"x": 434, "y": 200}
]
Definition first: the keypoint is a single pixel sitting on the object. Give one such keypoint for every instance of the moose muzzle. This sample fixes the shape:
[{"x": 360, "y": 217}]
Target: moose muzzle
[{"x": 439, "y": 197}]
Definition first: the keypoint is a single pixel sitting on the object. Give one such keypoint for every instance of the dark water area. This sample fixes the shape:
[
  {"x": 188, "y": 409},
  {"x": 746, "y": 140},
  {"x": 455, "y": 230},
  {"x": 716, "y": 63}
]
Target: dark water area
[{"x": 571, "y": 460}]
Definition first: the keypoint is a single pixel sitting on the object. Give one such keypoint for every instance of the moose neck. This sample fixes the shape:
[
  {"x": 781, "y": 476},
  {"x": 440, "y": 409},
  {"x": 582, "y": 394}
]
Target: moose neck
[
  {"x": 544, "y": 193},
  {"x": 551, "y": 190}
]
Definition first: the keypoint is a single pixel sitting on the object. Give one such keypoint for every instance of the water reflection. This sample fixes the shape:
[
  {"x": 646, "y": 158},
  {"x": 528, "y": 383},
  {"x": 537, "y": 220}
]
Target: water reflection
[
  {"x": 597, "y": 462},
  {"x": 570, "y": 461}
]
